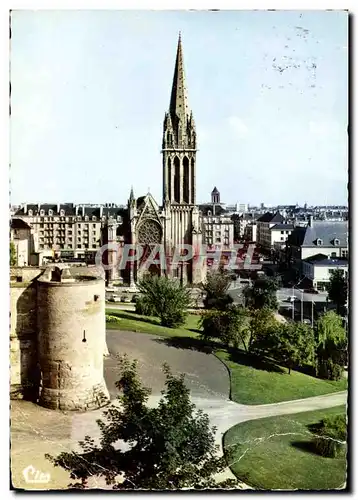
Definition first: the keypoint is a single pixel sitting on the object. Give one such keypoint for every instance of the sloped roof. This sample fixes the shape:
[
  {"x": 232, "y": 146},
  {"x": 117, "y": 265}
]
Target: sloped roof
[
  {"x": 287, "y": 227},
  {"x": 17, "y": 223},
  {"x": 269, "y": 217},
  {"x": 327, "y": 231},
  {"x": 219, "y": 210}
]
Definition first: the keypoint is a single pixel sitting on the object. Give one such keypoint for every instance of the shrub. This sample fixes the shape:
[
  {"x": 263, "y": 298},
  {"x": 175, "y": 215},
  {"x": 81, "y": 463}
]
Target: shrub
[
  {"x": 331, "y": 436},
  {"x": 112, "y": 319},
  {"x": 143, "y": 307},
  {"x": 165, "y": 298}
]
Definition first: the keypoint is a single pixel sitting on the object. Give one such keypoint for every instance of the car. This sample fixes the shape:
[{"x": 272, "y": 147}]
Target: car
[
  {"x": 114, "y": 298},
  {"x": 292, "y": 298},
  {"x": 310, "y": 290}
]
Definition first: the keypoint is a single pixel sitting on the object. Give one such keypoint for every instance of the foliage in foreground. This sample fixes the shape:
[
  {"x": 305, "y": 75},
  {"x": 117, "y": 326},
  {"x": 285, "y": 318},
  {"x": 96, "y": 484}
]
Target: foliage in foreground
[
  {"x": 165, "y": 298},
  {"x": 112, "y": 319},
  {"x": 168, "y": 447}
]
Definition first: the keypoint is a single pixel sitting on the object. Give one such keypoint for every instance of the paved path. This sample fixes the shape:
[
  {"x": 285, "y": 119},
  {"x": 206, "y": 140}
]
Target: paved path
[{"x": 36, "y": 431}]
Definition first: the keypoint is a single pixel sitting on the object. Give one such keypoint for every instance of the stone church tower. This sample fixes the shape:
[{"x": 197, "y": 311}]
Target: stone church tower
[
  {"x": 182, "y": 219},
  {"x": 178, "y": 220}
]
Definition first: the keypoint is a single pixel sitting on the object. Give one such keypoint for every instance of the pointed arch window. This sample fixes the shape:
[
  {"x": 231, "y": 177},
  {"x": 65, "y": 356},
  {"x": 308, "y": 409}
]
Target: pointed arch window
[
  {"x": 169, "y": 179},
  {"x": 192, "y": 173},
  {"x": 186, "y": 179},
  {"x": 177, "y": 179}
]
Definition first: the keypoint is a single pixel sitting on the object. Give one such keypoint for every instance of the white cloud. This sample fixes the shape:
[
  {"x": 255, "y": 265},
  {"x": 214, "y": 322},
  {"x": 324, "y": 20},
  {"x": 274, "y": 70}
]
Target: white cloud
[{"x": 238, "y": 126}]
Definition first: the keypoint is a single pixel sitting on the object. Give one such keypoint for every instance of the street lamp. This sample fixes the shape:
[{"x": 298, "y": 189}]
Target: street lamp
[{"x": 293, "y": 294}]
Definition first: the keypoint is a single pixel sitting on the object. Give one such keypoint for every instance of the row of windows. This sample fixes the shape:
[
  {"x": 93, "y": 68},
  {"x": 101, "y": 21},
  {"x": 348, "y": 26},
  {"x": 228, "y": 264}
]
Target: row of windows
[
  {"x": 48, "y": 245},
  {"x": 77, "y": 218}
]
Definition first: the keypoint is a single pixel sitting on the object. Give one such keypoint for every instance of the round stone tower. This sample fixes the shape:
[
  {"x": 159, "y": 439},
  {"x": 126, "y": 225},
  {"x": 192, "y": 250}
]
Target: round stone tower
[{"x": 71, "y": 340}]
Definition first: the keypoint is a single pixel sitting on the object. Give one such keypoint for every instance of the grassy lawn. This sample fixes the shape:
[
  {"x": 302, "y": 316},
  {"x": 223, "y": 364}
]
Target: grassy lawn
[
  {"x": 252, "y": 381},
  {"x": 131, "y": 321},
  {"x": 284, "y": 462},
  {"x": 258, "y": 382}
]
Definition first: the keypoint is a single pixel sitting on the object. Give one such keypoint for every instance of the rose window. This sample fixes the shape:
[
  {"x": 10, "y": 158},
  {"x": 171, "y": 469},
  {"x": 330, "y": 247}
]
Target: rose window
[{"x": 149, "y": 232}]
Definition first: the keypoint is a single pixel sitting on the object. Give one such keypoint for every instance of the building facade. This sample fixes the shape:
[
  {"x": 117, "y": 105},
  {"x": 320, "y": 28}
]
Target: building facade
[{"x": 177, "y": 221}]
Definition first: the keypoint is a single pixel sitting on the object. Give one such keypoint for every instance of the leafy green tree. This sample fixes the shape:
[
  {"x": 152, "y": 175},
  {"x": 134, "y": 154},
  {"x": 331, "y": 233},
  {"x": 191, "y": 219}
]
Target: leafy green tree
[
  {"x": 167, "y": 298},
  {"x": 216, "y": 288},
  {"x": 261, "y": 322},
  {"x": 12, "y": 254},
  {"x": 332, "y": 346},
  {"x": 338, "y": 291},
  {"x": 231, "y": 326},
  {"x": 168, "y": 447},
  {"x": 290, "y": 344},
  {"x": 262, "y": 294}
]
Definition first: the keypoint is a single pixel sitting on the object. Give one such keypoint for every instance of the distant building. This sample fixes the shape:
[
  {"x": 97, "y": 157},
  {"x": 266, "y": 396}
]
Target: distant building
[
  {"x": 318, "y": 237},
  {"x": 20, "y": 235},
  {"x": 264, "y": 224},
  {"x": 319, "y": 267}
]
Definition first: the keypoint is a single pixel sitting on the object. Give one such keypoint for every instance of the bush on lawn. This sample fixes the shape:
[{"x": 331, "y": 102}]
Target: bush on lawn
[
  {"x": 165, "y": 298},
  {"x": 143, "y": 307},
  {"x": 331, "y": 436},
  {"x": 112, "y": 319}
]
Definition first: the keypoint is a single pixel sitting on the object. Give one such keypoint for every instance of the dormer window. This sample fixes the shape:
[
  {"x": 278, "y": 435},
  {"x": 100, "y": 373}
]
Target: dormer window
[
  {"x": 79, "y": 217},
  {"x": 94, "y": 218},
  {"x": 62, "y": 212},
  {"x": 42, "y": 213},
  {"x": 319, "y": 241},
  {"x": 209, "y": 212},
  {"x": 50, "y": 212},
  {"x": 86, "y": 218},
  {"x": 336, "y": 242},
  {"x": 30, "y": 213}
]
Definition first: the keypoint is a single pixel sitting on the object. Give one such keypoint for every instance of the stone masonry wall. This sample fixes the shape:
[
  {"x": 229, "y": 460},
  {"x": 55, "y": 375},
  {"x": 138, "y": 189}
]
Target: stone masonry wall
[
  {"x": 71, "y": 340},
  {"x": 23, "y": 341}
]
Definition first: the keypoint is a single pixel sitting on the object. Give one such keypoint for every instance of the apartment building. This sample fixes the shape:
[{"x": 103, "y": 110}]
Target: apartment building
[{"x": 66, "y": 230}]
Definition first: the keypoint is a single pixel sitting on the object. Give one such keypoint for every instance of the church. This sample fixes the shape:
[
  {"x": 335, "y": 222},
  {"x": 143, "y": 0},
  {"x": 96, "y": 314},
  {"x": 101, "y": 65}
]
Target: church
[{"x": 177, "y": 220}]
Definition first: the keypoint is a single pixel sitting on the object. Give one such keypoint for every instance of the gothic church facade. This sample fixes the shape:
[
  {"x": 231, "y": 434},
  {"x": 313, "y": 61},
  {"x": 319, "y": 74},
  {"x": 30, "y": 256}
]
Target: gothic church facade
[{"x": 177, "y": 220}]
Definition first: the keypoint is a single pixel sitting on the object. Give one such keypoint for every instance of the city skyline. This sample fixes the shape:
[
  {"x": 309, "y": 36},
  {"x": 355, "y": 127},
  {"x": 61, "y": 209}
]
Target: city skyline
[{"x": 81, "y": 115}]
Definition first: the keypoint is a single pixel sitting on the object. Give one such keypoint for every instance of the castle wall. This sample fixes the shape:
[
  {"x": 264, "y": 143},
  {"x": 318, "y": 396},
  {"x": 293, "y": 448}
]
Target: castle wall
[
  {"x": 71, "y": 343},
  {"x": 23, "y": 342}
]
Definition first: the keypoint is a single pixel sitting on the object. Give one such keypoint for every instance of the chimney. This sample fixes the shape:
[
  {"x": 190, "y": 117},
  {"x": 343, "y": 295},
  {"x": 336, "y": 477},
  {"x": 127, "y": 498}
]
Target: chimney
[
  {"x": 83, "y": 211},
  {"x": 310, "y": 221},
  {"x": 25, "y": 208},
  {"x": 76, "y": 209},
  {"x": 58, "y": 208},
  {"x": 101, "y": 211}
]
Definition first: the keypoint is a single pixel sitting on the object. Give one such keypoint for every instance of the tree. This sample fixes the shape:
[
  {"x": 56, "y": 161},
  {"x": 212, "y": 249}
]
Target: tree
[
  {"x": 332, "y": 346},
  {"x": 12, "y": 254},
  {"x": 261, "y": 322},
  {"x": 290, "y": 344},
  {"x": 262, "y": 294},
  {"x": 216, "y": 288},
  {"x": 167, "y": 298},
  {"x": 231, "y": 326},
  {"x": 171, "y": 446},
  {"x": 338, "y": 291}
]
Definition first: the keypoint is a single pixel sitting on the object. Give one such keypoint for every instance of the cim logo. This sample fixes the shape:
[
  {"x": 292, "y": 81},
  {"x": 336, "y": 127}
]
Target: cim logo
[{"x": 32, "y": 475}]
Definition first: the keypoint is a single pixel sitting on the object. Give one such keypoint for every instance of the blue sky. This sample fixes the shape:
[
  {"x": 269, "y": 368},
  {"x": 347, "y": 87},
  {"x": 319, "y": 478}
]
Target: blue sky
[{"x": 269, "y": 93}]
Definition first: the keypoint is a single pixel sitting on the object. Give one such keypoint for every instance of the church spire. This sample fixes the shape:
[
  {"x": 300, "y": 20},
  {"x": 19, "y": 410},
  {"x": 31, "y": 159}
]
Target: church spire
[{"x": 179, "y": 106}]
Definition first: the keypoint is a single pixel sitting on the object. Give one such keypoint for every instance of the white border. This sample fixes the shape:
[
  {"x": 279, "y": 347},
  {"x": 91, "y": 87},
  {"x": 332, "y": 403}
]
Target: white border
[{"x": 4, "y": 134}]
